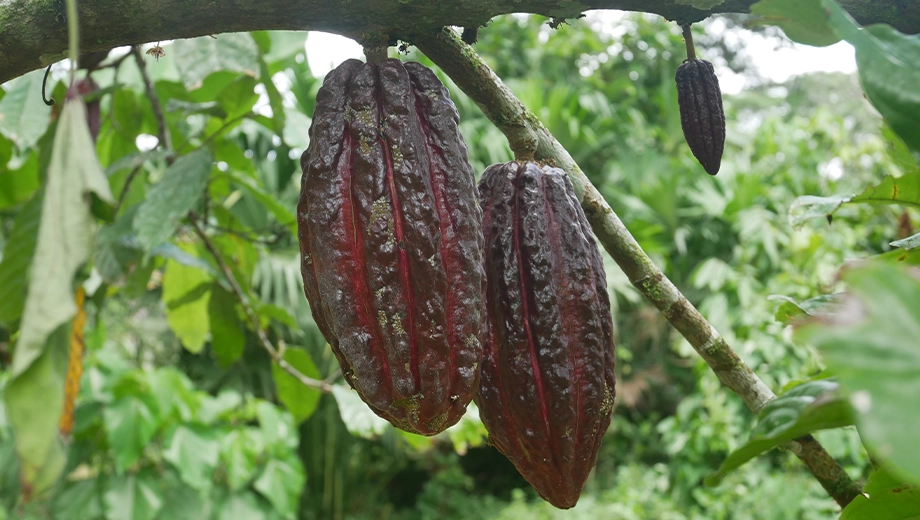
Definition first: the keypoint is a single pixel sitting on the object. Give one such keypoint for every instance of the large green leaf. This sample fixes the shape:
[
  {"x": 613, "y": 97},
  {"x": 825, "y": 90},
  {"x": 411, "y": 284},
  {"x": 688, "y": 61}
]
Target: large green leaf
[
  {"x": 193, "y": 451},
  {"x": 197, "y": 58},
  {"x": 805, "y": 408},
  {"x": 24, "y": 117},
  {"x": 17, "y": 257},
  {"x": 65, "y": 241},
  {"x": 872, "y": 345},
  {"x": 133, "y": 497},
  {"x": 281, "y": 484},
  {"x": 885, "y": 497},
  {"x": 130, "y": 422},
  {"x": 182, "y": 186},
  {"x": 804, "y": 22},
  {"x": 228, "y": 336},
  {"x": 888, "y": 61},
  {"x": 357, "y": 416},
  {"x": 904, "y": 190},
  {"x": 16, "y": 186},
  {"x": 186, "y": 293},
  {"x": 298, "y": 398},
  {"x": 239, "y": 454}
]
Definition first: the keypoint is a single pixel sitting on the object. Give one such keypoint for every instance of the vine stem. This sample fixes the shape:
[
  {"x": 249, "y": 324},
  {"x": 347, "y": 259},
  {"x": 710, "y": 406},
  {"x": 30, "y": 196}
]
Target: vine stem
[
  {"x": 73, "y": 33},
  {"x": 524, "y": 131}
]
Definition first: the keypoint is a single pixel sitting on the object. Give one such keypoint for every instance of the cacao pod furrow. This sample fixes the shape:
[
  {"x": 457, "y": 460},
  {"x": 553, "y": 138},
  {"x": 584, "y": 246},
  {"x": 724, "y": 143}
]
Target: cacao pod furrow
[
  {"x": 399, "y": 289},
  {"x": 547, "y": 384}
]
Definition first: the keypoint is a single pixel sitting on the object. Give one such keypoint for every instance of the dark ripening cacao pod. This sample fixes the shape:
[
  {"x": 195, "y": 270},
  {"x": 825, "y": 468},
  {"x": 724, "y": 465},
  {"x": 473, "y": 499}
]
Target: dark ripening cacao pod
[
  {"x": 548, "y": 384},
  {"x": 701, "y": 114},
  {"x": 390, "y": 241}
]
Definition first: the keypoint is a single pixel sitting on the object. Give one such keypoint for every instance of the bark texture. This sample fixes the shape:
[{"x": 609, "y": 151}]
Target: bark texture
[{"x": 33, "y": 33}]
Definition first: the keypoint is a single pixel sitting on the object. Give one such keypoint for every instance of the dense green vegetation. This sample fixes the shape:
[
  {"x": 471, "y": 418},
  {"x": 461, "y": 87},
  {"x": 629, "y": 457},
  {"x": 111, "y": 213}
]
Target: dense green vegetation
[{"x": 181, "y": 413}]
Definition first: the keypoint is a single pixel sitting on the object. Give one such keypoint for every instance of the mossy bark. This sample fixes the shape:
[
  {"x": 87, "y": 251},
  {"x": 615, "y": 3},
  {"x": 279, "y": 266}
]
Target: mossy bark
[{"x": 33, "y": 33}]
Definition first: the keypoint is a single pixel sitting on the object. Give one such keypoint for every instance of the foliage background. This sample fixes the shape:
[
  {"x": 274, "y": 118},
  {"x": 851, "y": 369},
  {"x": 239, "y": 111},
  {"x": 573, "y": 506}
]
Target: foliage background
[{"x": 180, "y": 414}]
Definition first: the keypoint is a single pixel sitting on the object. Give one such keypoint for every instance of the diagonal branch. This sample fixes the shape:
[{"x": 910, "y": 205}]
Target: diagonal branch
[{"x": 527, "y": 136}]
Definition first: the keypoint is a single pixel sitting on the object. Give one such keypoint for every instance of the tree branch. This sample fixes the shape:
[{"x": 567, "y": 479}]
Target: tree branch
[
  {"x": 33, "y": 34},
  {"x": 526, "y": 133}
]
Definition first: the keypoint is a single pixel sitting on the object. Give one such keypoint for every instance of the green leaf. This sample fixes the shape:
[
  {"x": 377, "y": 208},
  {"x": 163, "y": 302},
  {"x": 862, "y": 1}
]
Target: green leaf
[
  {"x": 274, "y": 426},
  {"x": 17, "y": 258},
  {"x": 64, "y": 244},
  {"x": 239, "y": 454},
  {"x": 281, "y": 484},
  {"x": 242, "y": 506},
  {"x": 133, "y": 497},
  {"x": 297, "y": 129},
  {"x": 16, "y": 186},
  {"x": 872, "y": 345},
  {"x": 280, "y": 314},
  {"x": 197, "y": 58},
  {"x": 182, "y": 186},
  {"x": 181, "y": 502},
  {"x": 802, "y": 21},
  {"x": 907, "y": 244},
  {"x": 791, "y": 311},
  {"x": 889, "y": 498},
  {"x": 280, "y": 211},
  {"x": 357, "y": 416},
  {"x": 186, "y": 293},
  {"x": 298, "y": 398},
  {"x": 34, "y": 401},
  {"x": 130, "y": 422},
  {"x": 80, "y": 500},
  {"x": 227, "y": 331},
  {"x": 803, "y": 409},
  {"x": 193, "y": 451},
  {"x": 808, "y": 207},
  {"x": 24, "y": 117},
  {"x": 903, "y": 190}
]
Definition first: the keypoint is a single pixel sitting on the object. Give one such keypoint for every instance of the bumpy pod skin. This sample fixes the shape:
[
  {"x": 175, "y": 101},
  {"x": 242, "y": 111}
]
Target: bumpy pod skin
[
  {"x": 390, "y": 240},
  {"x": 701, "y": 114},
  {"x": 548, "y": 383}
]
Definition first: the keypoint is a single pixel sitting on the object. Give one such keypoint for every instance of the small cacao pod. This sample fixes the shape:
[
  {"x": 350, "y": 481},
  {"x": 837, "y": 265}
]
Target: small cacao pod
[
  {"x": 701, "y": 114},
  {"x": 86, "y": 87},
  {"x": 548, "y": 384},
  {"x": 390, "y": 240}
]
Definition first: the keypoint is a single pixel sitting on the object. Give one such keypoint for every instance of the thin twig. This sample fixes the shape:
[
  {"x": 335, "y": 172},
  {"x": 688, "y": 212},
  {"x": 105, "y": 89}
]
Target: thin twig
[
  {"x": 525, "y": 132},
  {"x": 155, "y": 105},
  {"x": 322, "y": 386},
  {"x": 127, "y": 186}
]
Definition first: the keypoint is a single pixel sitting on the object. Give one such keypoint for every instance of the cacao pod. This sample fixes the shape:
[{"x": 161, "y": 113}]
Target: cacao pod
[
  {"x": 701, "y": 114},
  {"x": 390, "y": 240},
  {"x": 548, "y": 384}
]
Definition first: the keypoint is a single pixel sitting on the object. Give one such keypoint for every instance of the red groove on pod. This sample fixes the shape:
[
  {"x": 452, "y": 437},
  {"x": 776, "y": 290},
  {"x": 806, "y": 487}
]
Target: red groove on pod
[
  {"x": 535, "y": 366},
  {"x": 359, "y": 283},
  {"x": 442, "y": 208},
  {"x": 403, "y": 257}
]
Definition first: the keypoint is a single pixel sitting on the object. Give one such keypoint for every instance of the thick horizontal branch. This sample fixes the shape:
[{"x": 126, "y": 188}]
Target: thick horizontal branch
[
  {"x": 529, "y": 138},
  {"x": 33, "y": 33}
]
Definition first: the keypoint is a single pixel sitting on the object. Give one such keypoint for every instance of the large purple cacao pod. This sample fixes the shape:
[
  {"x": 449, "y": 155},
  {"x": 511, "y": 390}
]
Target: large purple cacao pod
[
  {"x": 548, "y": 384},
  {"x": 390, "y": 241}
]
